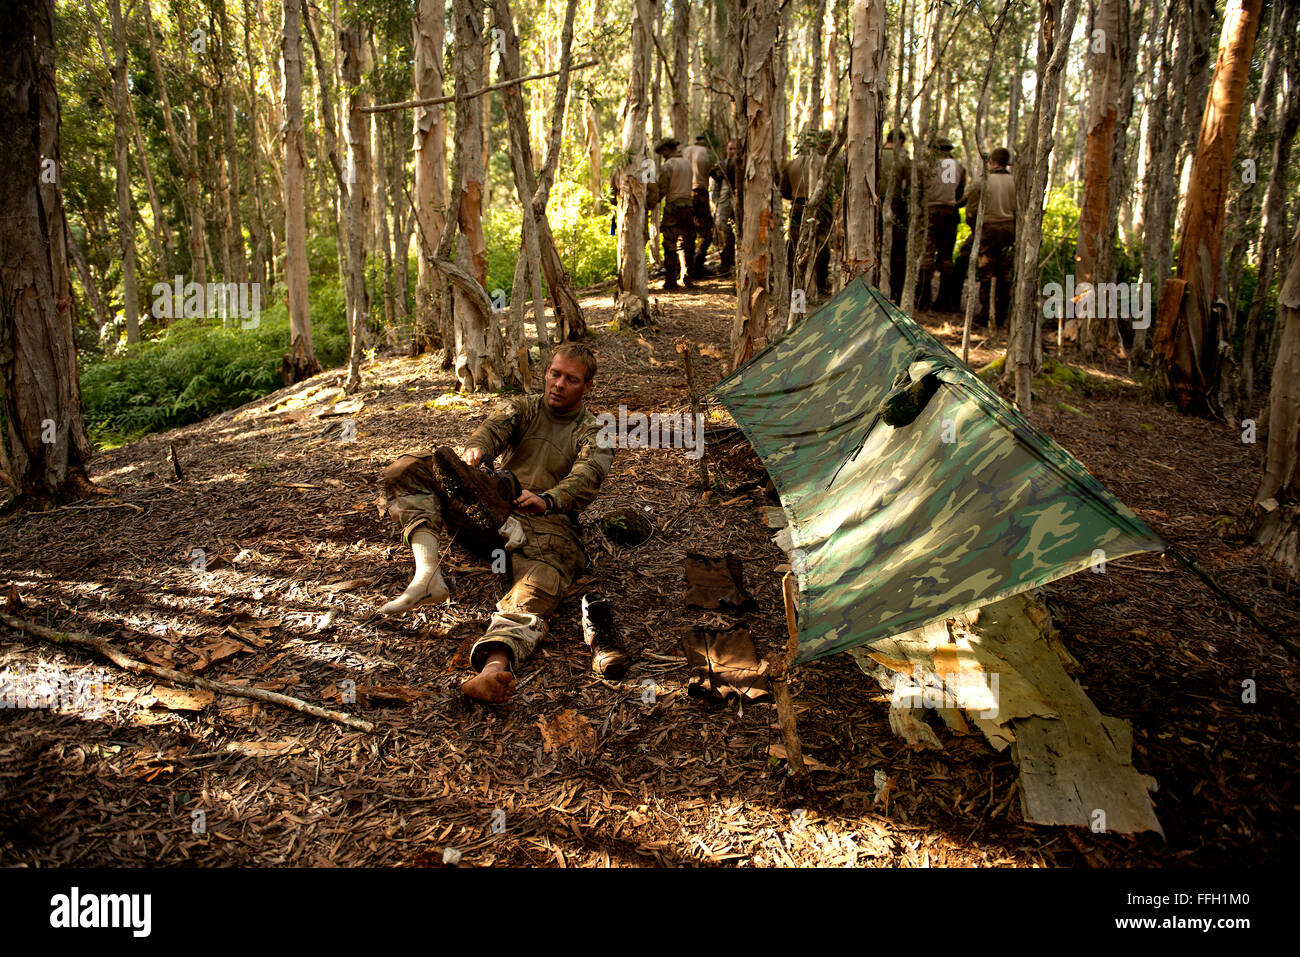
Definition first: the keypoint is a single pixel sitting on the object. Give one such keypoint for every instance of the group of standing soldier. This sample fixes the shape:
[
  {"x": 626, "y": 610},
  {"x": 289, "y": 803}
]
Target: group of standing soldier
[
  {"x": 699, "y": 191},
  {"x": 945, "y": 194}
]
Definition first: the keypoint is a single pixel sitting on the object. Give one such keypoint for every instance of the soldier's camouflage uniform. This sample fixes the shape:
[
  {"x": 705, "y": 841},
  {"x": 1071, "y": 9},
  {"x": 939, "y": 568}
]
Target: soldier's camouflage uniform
[{"x": 548, "y": 453}]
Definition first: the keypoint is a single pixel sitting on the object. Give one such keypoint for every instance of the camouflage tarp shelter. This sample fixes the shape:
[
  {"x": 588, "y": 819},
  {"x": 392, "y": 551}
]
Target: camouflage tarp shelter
[{"x": 895, "y": 526}]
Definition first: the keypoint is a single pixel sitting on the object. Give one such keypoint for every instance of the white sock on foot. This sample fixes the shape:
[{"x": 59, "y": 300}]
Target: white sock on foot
[{"x": 427, "y": 585}]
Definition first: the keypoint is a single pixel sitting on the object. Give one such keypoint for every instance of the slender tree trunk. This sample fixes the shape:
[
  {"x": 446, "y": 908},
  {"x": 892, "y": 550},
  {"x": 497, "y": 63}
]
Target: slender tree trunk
[
  {"x": 1108, "y": 52},
  {"x": 636, "y": 170},
  {"x": 922, "y": 158},
  {"x": 257, "y": 224},
  {"x": 681, "y": 70},
  {"x": 528, "y": 263},
  {"x": 868, "y": 83},
  {"x": 816, "y": 75},
  {"x": 1187, "y": 340},
  {"x": 43, "y": 443},
  {"x": 760, "y": 25},
  {"x": 235, "y": 221},
  {"x": 1276, "y": 511},
  {"x": 185, "y": 159},
  {"x": 831, "y": 80},
  {"x": 301, "y": 362},
  {"x": 477, "y": 357},
  {"x": 87, "y": 281},
  {"x": 352, "y": 43},
  {"x": 1272, "y": 220},
  {"x": 430, "y": 177},
  {"x": 1024, "y": 347},
  {"x": 125, "y": 209}
]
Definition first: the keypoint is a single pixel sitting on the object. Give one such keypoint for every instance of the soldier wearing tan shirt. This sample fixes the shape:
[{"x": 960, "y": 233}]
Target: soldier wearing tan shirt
[
  {"x": 701, "y": 160},
  {"x": 677, "y": 225}
]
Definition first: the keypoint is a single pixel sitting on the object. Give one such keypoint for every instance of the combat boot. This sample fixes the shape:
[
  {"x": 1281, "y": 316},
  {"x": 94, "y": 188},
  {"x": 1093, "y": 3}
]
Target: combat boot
[{"x": 608, "y": 659}]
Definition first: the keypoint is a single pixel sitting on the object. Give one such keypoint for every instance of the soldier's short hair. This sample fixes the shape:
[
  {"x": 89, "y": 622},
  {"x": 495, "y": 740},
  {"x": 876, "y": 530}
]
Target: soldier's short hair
[
  {"x": 576, "y": 350},
  {"x": 1000, "y": 156}
]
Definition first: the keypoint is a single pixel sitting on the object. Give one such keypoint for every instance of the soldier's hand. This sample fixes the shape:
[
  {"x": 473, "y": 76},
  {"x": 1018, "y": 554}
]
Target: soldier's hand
[
  {"x": 473, "y": 456},
  {"x": 530, "y": 503}
]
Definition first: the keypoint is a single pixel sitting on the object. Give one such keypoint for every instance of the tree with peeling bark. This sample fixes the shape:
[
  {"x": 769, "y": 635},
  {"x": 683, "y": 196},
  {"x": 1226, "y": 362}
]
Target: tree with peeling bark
[
  {"x": 1024, "y": 342},
  {"x": 430, "y": 176},
  {"x": 756, "y": 265},
  {"x": 1108, "y": 48},
  {"x": 301, "y": 362},
  {"x": 1187, "y": 334},
  {"x": 634, "y": 174},
  {"x": 1276, "y": 508},
  {"x": 43, "y": 443},
  {"x": 867, "y": 82},
  {"x": 477, "y": 361},
  {"x": 354, "y": 48}
]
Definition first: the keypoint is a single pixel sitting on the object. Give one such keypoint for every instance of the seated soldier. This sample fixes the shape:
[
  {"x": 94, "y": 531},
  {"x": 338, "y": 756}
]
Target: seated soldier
[{"x": 555, "y": 468}]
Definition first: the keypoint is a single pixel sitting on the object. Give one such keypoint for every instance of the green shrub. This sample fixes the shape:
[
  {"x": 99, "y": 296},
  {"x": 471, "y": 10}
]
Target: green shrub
[{"x": 198, "y": 368}]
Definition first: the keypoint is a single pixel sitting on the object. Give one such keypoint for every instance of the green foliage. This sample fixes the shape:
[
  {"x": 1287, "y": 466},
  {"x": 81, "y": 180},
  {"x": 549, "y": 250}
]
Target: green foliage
[
  {"x": 588, "y": 251},
  {"x": 198, "y": 368},
  {"x": 1060, "y": 235}
]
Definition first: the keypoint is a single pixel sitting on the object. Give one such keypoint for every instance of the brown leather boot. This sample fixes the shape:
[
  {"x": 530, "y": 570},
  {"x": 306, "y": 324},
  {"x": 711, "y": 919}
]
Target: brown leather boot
[
  {"x": 477, "y": 501},
  {"x": 608, "y": 659}
]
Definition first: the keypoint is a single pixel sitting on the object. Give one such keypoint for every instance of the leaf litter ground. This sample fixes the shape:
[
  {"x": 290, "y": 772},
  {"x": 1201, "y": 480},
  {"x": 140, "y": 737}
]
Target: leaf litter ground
[{"x": 577, "y": 770}]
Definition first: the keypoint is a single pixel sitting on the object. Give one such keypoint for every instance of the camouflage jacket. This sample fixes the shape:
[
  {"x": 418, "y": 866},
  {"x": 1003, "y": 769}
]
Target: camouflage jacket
[{"x": 551, "y": 454}]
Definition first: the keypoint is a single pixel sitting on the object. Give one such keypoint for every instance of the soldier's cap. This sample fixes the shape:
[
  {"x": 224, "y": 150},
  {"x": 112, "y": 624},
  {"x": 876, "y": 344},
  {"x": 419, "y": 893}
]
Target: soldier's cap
[
  {"x": 942, "y": 143},
  {"x": 666, "y": 145},
  {"x": 701, "y": 138}
]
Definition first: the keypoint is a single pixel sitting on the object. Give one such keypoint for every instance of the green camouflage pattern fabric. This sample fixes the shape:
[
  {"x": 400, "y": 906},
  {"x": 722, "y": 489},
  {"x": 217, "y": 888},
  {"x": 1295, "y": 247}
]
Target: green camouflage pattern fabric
[{"x": 963, "y": 503}]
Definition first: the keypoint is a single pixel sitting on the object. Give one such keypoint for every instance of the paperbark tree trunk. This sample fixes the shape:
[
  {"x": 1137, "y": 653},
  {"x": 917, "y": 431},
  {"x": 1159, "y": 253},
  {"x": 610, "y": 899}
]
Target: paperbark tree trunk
[
  {"x": 257, "y": 227},
  {"x": 1272, "y": 220},
  {"x": 43, "y": 443},
  {"x": 1187, "y": 340},
  {"x": 1276, "y": 510},
  {"x": 681, "y": 84},
  {"x": 528, "y": 263},
  {"x": 1108, "y": 49},
  {"x": 1024, "y": 347},
  {"x": 816, "y": 45},
  {"x": 300, "y": 362},
  {"x": 430, "y": 178},
  {"x": 356, "y": 201},
  {"x": 125, "y": 208},
  {"x": 760, "y": 24},
  {"x": 477, "y": 357},
  {"x": 922, "y": 159},
  {"x": 633, "y": 295},
  {"x": 867, "y": 88}
]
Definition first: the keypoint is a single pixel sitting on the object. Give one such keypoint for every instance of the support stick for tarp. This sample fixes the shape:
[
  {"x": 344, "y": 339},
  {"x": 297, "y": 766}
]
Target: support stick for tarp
[
  {"x": 685, "y": 346},
  {"x": 780, "y": 685}
]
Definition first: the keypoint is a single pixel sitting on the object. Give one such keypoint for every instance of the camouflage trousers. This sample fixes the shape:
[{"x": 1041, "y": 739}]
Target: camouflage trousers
[
  {"x": 541, "y": 570},
  {"x": 677, "y": 227}
]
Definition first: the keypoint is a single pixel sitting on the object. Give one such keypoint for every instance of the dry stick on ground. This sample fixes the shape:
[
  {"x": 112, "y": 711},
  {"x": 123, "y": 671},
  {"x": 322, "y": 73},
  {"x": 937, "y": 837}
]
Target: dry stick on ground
[{"x": 122, "y": 660}]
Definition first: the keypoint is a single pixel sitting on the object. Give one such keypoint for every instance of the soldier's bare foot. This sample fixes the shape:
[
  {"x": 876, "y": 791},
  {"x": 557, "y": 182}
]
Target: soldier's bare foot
[{"x": 493, "y": 684}]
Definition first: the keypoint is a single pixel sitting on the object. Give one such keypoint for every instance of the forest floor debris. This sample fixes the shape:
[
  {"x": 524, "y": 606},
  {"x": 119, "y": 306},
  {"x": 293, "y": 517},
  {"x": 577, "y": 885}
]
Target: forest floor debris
[{"x": 276, "y": 539}]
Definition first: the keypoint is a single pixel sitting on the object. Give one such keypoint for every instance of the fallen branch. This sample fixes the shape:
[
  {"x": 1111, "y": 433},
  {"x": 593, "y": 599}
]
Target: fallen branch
[{"x": 123, "y": 660}]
